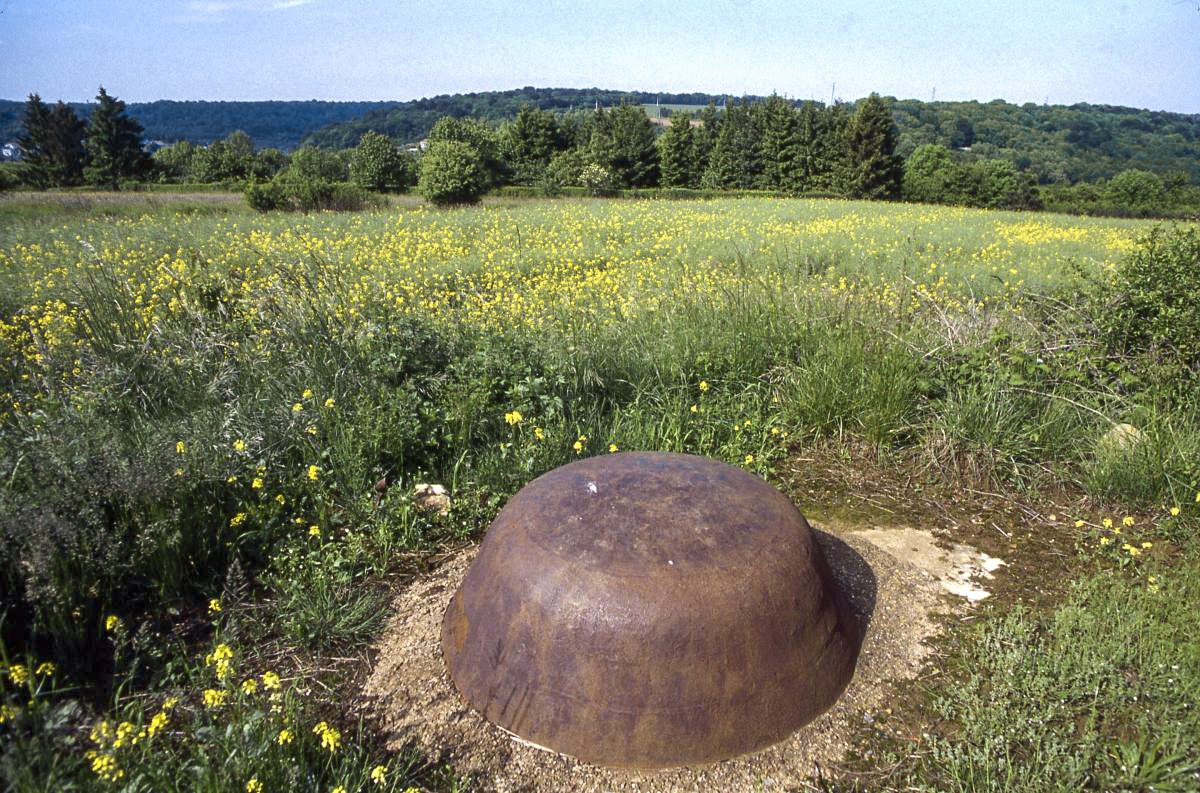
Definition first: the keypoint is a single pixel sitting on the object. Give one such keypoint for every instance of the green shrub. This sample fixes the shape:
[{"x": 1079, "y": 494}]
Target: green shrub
[
  {"x": 1152, "y": 308},
  {"x": 308, "y": 195},
  {"x": 452, "y": 173}
]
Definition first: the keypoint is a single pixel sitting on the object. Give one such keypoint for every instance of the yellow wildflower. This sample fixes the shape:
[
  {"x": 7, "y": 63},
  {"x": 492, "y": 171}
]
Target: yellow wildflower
[
  {"x": 45, "y": 669},
  {"x": 1106, "y": 523},
  {"x": 1079, "y": 524},
  {"x": 239, "y": 445},
  {"x": 237, "y": 519},
  {"x": 612, "y": 447},
  {"x": 257, "y": 483},
  {"x": 1174, "y": 511},
  {"x": 8, "y": 713},
  {"x": 18, "y": 673},
  {"x": 703, "y": 385},
  {"x": 329, "y": 402},
  {"x": 280, "y": 499},
  {"x": 314, "y": 531},
  {"x": 249, "y": 686},
  {"x": 314, "y": 472},
  {"x": 157, "y": 723},
  {"x": 539, "y": 433},
  {"x": 1105, "y": 540},
  {"x": 694, "y": 409},
  {"x": 307, "y": 393},
  {"x": 214, "y": 606},
  {"x": 214, "y": 698},
  {"x": 180, "y": 447},
  {"x": 378, "y": 773},
  {"x": 285, "y": 737},
  {"x": 112, "y": 623},
  {"x": 253, "y": 785},
  {"x": 1126, "y": 521},
  {"x": 296, "y": 408},
  {"x": 311, "y": 430},
  {"x": 513, "y": 417},
  {"x": 270, "y": 681},
  {"x": 1147, "y": 544},
  {"x": 749, "y": 459}
]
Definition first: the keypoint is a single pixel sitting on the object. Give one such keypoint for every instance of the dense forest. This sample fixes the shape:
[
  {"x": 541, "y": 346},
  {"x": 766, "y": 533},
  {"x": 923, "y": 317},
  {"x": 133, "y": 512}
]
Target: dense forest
[{"x": 279, "y": 125}]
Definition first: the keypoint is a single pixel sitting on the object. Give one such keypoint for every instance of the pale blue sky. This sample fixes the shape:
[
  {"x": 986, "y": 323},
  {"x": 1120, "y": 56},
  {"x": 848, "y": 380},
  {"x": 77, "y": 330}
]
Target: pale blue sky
[{"x": 1140, "y": 53}]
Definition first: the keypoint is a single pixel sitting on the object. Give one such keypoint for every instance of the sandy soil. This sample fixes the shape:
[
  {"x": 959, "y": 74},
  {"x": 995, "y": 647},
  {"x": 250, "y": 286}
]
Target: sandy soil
[{"x": 895, "y": 578}]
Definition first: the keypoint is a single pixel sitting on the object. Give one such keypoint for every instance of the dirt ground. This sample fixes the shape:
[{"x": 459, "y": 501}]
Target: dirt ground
[{"x": 898, "y": 579}]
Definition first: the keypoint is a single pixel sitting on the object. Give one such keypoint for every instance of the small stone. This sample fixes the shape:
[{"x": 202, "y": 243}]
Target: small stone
[{"x": 432, "y": 498}]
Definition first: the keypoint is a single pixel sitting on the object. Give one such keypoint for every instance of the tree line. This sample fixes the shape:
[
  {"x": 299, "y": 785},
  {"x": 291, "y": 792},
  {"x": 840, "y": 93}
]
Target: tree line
[
  {"x": 771, "y": 145},
  {"x": 60, "y": 149}
]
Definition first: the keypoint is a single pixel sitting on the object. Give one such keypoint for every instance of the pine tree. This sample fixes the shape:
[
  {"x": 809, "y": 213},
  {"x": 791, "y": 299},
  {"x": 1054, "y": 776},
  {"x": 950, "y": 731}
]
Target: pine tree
[
  {"x": 52, "y": 143},
  {"x": 677, "y": 153},
  {"x": 873, "y": 169},
  {"x": 114, "y": 144},
  {"x": 622, "y": 142},
  {"x": 736, "y": 160},
  {"x": 532, "y": 139},
  {"x": 779, "y": 144}
]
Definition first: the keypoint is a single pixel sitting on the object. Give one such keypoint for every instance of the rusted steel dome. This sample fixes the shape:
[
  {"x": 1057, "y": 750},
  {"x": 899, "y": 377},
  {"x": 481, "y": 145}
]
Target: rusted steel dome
[{"x": 649, "y": 610}]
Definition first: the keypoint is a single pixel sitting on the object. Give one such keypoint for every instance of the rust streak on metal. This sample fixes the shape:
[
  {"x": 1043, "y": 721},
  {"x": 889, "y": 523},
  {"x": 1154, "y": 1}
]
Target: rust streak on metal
[{"x": 650, "y": 610}]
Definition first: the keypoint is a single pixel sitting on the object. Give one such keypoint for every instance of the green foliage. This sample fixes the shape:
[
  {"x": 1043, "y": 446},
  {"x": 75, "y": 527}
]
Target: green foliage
[
  {"x": 377, "y": 164},
  {"x": 52, "y": 144},
  {"x": 530, "y": 142},
  {"x": 452, "y": 172},
  {"x": 736, "y": 159},
  {"x": 1151, "y": 310},
  {"x": 480, "y": 136},
  {"x": 114, "y": 144},
  {"x": 622, "y": 142},
  {"x": 872, "y": 169},
  {"x": 310, "y": 163},
  {"x": 307, "y": 194},
  {"x": 677, "y": 157},
  {"x": 1136, "y": 189},
  {"x": 1096, "y": 694}
]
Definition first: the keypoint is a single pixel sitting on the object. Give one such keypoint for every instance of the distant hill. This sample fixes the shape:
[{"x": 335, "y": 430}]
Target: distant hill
[
  {"x": 281, "y": 125},
  {"x": 1053, "y": 142},
  {"x": 410, "y": 121}
]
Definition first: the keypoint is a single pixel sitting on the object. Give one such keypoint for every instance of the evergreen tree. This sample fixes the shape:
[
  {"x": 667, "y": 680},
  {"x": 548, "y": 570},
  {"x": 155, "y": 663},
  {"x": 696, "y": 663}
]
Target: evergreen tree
[
  {"x": 736, "y": 160},
  {"x": 52, "y": 143},
  {"x": 531, "y": 141},
  {"x": 872, "y": 168},
  {"x": 677, "y": 153},
  {"x": 779, "y": 145},
  {"x": 622, "y": 142},
  {"x": 704, "y": 137},
  {"x": 114, "y": 144},
  {"x": 816, "y": 150}
]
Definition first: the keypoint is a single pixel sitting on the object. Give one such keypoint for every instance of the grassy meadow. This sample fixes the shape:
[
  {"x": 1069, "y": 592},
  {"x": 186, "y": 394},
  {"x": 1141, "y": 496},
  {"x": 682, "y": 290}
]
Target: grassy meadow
[{"x": 212, "y": 421}]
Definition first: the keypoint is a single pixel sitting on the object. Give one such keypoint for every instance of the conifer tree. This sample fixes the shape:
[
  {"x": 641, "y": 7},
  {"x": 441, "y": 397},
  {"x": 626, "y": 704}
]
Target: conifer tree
[
  {"x": 677, "y": 153},
  {"x": 779, "y": 144},
  {"x": 622, "y": 142},
  {"x": 52, "y": 143},
  {"x": 532, "y": 139},
  {"x": 872, "y": 168},
  {"x": 736, "y": 160},
  {"x": 114, "y": 144}
]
